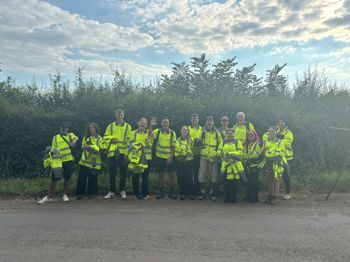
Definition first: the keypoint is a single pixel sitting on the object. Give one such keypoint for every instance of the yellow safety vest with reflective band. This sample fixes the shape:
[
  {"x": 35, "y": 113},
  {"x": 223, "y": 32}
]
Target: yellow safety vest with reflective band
[
  {"x": 231, "y": 155},
  {"x": 137, "y": 158},
  {"x": 195, "y": 133},
  {"x": 63, "y": 146},
  {"x": 119, "y": 132},
  {"x": 184, "y": 149},
  {"x": 252, "y": 154},
  {"x": 53, "y": 162},
  {"x": 274, "y": 152},
  {"x": 240, "y": 132},
  {"x": 287, "y": 138},
  {"x": 91, "y": 158},
  {"x": 211, "y": 141},
  {"x": 165, "y": 142},
  {"x": 137, "y": 137}
]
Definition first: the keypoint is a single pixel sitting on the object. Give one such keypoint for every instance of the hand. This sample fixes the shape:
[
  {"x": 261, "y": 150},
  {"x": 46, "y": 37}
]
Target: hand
[
  {"x": 114, "y": 141},
  {"x": 86, "y": 146},
  {"x": 72, "y": 144}
]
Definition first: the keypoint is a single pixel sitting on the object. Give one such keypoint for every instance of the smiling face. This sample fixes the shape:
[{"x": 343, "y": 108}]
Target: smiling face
[
  {"x": 184, "y": 131},
  {"x": 210, "y": 124},
  {"x": 251, "y": 136},
  {"x": 165, "y": 124},
  {"x": 194, "y": 120},
  {"x": 241, "y": 118},
  {"x": 92, "y": 130},
  {"x": 272, "y": 133},
  {"x": 142, "y": 123},
  {"x": 229, "y": 135}
]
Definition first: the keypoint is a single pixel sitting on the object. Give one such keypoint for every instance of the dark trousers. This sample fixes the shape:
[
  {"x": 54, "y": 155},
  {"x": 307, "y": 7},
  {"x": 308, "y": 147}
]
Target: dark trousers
[
  {"x": 184, "y": 176},
  {"x": 116, "y": 163},
  {"x": 230, "y": 190},
  {"x": 144, "y": 182},
  {"x": 85, "y": 175},
  {"x": 286, "y": 178},
  {"x": 253, "y": 184},
  {"x": 196, "y": 185}
]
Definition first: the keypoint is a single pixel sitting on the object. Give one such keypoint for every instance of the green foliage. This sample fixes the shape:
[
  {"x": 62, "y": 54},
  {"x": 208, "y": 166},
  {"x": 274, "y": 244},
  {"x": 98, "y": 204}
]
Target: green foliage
[{"x": 30, "y": 115}]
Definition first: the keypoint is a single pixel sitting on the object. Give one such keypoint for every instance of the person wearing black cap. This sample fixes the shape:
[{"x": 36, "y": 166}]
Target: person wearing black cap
[{"x": 62, "y": 143}]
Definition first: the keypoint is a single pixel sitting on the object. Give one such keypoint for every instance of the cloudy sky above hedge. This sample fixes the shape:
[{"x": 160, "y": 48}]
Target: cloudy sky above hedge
[{"x": 142, "y": 37}]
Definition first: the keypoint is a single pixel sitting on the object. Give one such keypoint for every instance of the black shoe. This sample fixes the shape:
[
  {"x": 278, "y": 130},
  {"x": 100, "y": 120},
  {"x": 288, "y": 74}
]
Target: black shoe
[
  {"x": 172, "y": 195},
  {"x": 201, "y": 196},
  {"x": 159, "y": 195},
  {"x": 182, "y": 197},
  {"x": 268, "y": 200}
]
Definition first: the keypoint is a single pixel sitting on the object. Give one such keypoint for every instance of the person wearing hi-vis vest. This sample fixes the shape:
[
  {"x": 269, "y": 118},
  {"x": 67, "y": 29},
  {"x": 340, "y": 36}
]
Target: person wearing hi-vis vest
[
  {"x": 273, "y": 163},
  {"x": 242, "y": 127},
  {"x": 164, "y": 140},
  {"x": 208, "y": 170},
  {"x": 184, "y": 164},
  {"x": 287, "y": 137},
  {"x": 140, "y": 156},
  {"x": 195, "y": 132},
  {"x": 61, "y": 162},
  {"x": 253, "y": 157},
  {"x": 231, "y": 152},
  {"x": 90, "y": 163},
  {"x": 116, "y": 142}
]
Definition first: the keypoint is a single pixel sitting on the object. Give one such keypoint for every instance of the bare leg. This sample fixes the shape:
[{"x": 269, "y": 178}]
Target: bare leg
[{"x": 52, "y": 187}]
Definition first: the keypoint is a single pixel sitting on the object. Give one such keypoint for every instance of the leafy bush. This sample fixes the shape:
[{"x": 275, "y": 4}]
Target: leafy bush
[{"x": 30, "y": 116}]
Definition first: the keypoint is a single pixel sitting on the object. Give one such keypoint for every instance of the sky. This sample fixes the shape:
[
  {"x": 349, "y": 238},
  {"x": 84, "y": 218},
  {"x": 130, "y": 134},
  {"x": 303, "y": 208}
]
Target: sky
[{"x": 143, "y": 37}]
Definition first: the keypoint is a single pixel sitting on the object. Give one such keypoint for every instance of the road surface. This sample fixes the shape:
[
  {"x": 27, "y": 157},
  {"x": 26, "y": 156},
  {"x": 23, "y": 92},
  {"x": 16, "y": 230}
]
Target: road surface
[{"x": 303, "y": 229}]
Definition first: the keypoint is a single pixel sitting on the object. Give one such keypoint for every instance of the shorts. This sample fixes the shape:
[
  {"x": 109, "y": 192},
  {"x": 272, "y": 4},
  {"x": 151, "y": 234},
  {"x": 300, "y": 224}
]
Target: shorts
[
  {"x": 67, "y": 168},
  {"x": 160, "y": 165},
  {"x": 208, "y": 171}
]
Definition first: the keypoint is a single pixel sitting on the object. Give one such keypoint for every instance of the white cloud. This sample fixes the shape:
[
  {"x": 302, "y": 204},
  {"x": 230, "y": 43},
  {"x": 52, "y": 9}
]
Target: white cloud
[
  {"x": 198, "y": 26},
  {"x": 36, "y": 38}
]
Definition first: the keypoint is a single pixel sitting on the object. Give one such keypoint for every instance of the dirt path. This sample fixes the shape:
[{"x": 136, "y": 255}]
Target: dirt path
[{"x": 168, "y": 230}]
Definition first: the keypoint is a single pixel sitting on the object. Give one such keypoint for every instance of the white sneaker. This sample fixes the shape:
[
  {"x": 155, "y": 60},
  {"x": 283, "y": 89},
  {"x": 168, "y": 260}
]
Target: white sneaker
[
  {"x": 44, "y": 200},
  {"x": 109, "y": 195},
  {"x": 146, "y": 197},
  {"x": 287, "y": 196},
  {"x": 123, "y": 194},
  {"x": 65, "y": 198}
]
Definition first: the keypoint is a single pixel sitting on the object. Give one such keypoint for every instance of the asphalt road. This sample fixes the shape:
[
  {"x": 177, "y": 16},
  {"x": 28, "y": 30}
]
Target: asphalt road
[{"x": 169, "y": 230}]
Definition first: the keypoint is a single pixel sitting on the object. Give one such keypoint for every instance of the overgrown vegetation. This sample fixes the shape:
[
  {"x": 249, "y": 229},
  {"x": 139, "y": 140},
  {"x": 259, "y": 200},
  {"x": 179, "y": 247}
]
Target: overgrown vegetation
[{"x": 30, "y": 115}]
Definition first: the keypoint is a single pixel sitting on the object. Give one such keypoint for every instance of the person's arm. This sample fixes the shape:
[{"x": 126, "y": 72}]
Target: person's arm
[
  {"x": 73, "y": 138},
  {"x": 251, "y": 127},
  {"x": 288, "y": 139},
  {"x": 54, "y": 141}
]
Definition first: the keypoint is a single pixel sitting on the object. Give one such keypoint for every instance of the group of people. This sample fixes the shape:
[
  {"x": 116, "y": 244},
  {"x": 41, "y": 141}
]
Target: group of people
[{"x": 207, "y": 160}]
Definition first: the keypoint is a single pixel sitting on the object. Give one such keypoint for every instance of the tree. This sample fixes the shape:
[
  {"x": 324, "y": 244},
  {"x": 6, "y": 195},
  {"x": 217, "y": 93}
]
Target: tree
[{"x": 276, "y": 84}]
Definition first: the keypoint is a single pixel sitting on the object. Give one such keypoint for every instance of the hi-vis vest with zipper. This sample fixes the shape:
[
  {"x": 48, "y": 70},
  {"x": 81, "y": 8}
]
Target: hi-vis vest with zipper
[
  {"x": 91, "y": 158},
  {"x": 137, "y": 158},
  {"x": 231, "y": 167},
  {"x": 211, "y": 141},
  {"x": 287, "y": 138},
  {"x": 137, "y": 137},
  {"x": 63, "y": 147},
  {"x": 119, "y": 132},
  {"x": 184, "y": 149},
  {"x": 274, "y": 151},
  {"x": 195, "y": 133},
  {"x": 253, "y": 154},
  {"x": 240, "y": 132},
  {"x": 164, "y": 146}
]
